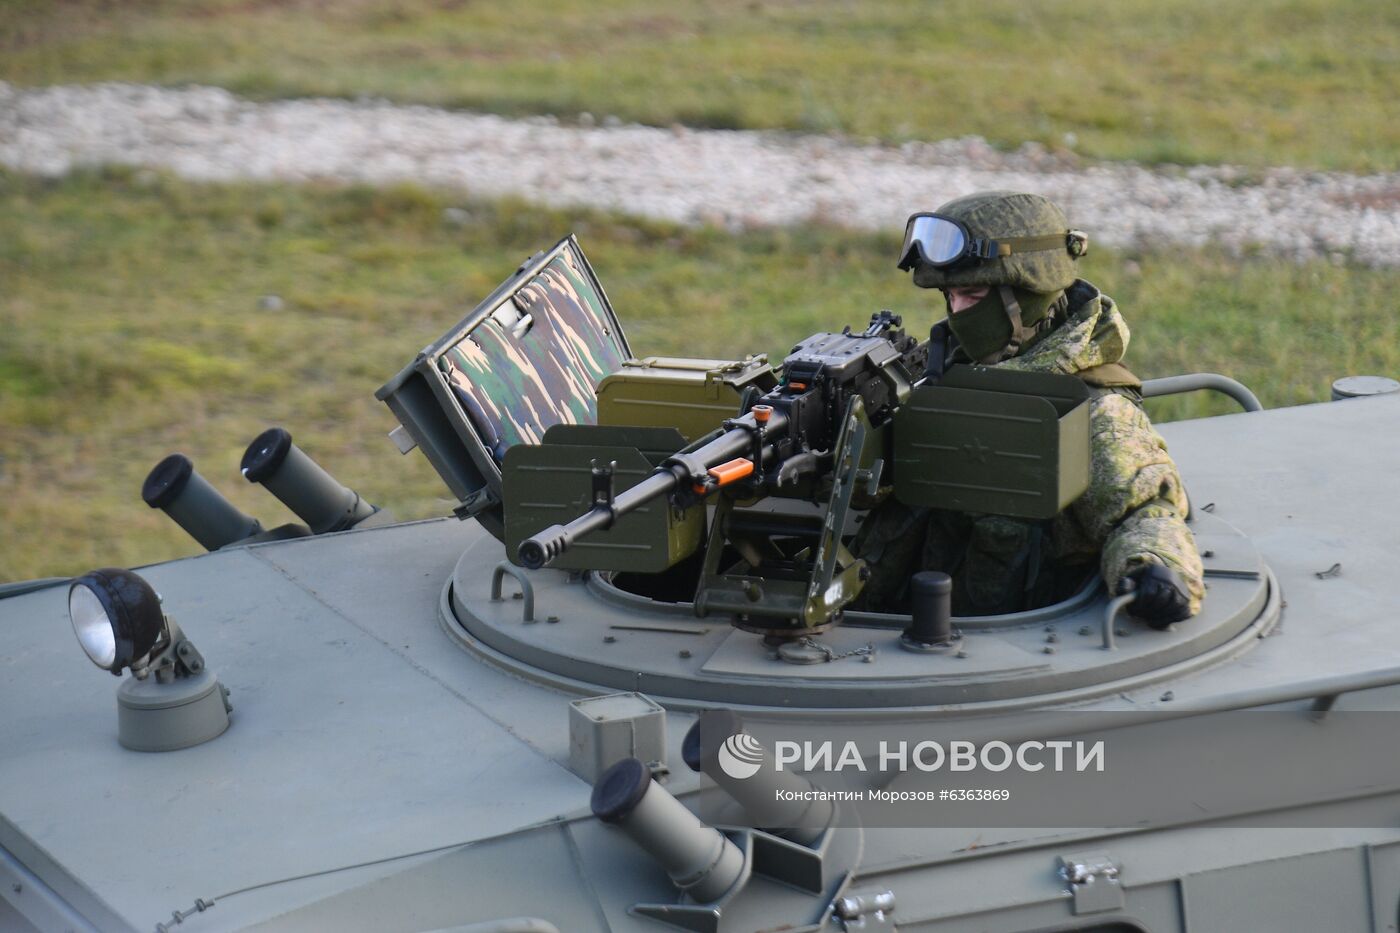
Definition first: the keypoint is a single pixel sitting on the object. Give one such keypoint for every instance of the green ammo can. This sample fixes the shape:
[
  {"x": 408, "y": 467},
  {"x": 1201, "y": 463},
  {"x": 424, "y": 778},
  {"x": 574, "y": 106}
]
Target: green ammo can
[
  {"x": 994, "y": 441},
  {"x": 693, "y": 396}
]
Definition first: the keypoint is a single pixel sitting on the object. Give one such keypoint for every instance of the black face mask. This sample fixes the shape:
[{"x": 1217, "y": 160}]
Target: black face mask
[
  {"x": 998, "y": 325},
  {"x": 987, "y": 329}
]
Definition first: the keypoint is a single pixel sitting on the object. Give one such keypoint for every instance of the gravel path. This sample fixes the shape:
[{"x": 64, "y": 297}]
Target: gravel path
[{"x": 734, "y": 178}]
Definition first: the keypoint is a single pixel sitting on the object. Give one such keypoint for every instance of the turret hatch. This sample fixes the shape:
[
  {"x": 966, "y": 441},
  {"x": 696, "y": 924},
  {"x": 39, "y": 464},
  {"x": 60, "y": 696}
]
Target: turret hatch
[{"x": 528, "y": 357}]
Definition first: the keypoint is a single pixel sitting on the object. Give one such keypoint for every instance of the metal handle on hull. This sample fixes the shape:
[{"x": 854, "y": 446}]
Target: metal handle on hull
[
  {"x": 1192, "y": 382},
  {"x": 527, "y": 591}
]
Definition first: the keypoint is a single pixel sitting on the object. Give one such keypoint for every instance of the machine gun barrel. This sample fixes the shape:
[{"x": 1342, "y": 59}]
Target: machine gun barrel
[{"x": 536, "y": 551}]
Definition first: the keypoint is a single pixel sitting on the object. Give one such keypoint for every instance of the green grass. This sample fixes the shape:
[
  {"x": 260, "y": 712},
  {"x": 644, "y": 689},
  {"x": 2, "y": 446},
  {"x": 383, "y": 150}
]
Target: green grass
[
  {"x": 1257, "y": 82},
  {"x": 131, "y": 328}
]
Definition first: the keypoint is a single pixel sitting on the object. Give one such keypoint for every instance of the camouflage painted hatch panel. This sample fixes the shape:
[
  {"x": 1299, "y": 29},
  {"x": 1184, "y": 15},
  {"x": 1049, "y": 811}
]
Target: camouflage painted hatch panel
[{"x": 536, "y": 360}]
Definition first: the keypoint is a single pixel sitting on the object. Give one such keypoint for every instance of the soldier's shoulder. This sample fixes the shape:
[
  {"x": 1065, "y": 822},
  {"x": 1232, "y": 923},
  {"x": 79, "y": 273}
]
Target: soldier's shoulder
[
  {"x": 1117, "y": 409},
  {"x": 1112, "y": 377}
]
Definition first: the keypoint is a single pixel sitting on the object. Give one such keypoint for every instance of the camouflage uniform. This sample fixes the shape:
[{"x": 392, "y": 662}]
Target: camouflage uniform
[{"x": 1133, "y": 512}]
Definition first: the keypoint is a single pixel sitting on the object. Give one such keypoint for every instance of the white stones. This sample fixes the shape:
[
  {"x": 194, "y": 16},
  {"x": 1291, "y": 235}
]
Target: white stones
[
  {"x": 456, "y": 217},
  {"x": 689, "y": 175}
]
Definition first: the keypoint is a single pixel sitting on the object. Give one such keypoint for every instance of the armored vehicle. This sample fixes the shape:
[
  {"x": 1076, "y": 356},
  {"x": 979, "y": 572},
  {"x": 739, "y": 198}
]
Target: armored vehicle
[{"x": 496, "y": 720}]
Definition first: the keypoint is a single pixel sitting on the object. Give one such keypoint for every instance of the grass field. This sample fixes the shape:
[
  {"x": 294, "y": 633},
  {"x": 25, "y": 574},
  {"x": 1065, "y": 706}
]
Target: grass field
[
  {"x": 1258, "y": 82},
  {"x": 131, "y": 327}
]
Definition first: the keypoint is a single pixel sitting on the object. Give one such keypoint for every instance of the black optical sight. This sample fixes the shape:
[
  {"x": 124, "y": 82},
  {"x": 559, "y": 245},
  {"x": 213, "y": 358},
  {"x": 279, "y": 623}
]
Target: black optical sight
[
  {"x": 302, "y": 484},
  {"x": 176, "y": 488}
]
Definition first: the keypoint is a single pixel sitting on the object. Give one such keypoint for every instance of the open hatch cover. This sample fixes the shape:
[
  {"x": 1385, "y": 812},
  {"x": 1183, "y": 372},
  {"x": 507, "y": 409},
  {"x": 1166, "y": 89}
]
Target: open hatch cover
[{"x": 528, "y": 357}]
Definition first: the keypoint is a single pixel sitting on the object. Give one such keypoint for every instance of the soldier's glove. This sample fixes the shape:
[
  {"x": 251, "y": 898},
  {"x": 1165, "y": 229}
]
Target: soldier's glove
[{"x": 1161, "y": 596}]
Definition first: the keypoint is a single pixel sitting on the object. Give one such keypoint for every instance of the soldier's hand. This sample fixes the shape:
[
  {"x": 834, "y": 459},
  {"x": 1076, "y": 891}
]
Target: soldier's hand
[{"x": 1161, "y": 596}]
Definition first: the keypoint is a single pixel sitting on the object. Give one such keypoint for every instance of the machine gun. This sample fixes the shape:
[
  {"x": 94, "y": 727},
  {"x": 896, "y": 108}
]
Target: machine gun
[{"x": 837, "y": 393}]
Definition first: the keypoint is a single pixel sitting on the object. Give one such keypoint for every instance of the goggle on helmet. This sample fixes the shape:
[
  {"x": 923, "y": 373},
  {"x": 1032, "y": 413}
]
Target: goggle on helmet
[{"x": 940, "y": 241}]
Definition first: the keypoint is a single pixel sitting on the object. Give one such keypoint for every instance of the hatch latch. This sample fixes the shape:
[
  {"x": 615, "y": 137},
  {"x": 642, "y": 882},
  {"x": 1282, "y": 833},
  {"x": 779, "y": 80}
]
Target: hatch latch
[{"x": 1093, "y": 882}]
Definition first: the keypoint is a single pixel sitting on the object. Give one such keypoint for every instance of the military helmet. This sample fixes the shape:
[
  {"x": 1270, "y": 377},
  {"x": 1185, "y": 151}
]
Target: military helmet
[{"x": 993, "y": 238}]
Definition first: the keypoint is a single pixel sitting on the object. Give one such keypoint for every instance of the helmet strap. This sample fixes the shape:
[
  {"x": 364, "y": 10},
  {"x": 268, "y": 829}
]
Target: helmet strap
[
  {"x": 1039, "y": 309},
  {"x": 1013, "y": 311}
]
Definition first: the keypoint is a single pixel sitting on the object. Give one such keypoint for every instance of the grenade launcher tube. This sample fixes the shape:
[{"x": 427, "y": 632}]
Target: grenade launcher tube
[{"x": 539, "y": 549}]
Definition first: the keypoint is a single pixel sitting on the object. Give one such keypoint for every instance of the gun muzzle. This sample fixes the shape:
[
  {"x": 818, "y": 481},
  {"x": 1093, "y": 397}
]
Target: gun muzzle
[
  {"x": 535, "y": 552},
  {"x": 174, "y": 487},
  {"x": 302, "y": 484}
]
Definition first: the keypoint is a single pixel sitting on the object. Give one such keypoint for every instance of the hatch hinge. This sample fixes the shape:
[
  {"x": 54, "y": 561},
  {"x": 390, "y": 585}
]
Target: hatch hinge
[
  {"x": 869, "y": 913},
  {"x": 476, "y": 502},
  {"x": 1093, "y": 882}
]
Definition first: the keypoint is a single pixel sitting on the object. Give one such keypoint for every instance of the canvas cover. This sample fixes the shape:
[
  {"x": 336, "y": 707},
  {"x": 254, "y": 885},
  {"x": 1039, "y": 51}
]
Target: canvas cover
[
  {"x": 536, "y": 359},
  {"x": 528, "y": 357}
]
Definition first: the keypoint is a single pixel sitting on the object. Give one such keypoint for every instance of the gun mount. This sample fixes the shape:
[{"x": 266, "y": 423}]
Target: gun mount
[
  {"x": 834, "y": 393},
  {"x": 792, "y": 432}
]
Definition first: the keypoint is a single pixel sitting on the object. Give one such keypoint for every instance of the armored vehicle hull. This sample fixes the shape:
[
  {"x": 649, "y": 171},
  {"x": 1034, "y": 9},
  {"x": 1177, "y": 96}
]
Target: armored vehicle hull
[
  {"x": 422, "y": 734},
  {"x": 389, "y": 767}
]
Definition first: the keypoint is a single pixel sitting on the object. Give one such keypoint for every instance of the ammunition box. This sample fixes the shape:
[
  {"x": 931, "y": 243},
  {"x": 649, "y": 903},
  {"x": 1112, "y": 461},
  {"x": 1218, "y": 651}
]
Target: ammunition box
[
  {"x": 552, "y": 482},
  {"x": 693, "y": 396},
  {"x": 994, "y": 441}
]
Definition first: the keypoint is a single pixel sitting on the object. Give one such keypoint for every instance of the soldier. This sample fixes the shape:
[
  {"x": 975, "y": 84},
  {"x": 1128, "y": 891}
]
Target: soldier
[{"x": 1005, "y": 263}]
